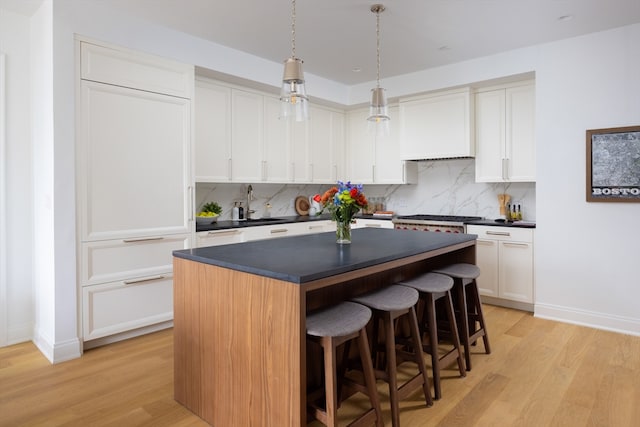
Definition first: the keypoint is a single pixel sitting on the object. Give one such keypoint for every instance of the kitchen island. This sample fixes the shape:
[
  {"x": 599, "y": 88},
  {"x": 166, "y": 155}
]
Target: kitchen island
[{"x": 240, "y": 354}]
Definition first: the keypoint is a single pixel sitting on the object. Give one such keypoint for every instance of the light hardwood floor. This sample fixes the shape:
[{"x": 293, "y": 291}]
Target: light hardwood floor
[{"x": 540, "y": 373}]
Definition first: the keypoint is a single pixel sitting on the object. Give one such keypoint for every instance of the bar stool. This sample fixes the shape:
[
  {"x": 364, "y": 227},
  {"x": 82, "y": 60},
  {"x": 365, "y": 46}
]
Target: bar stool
[
  {"x": 330, "y": 328},
  {"x": 389, "y": 304},
  {"x": 432, "y": 287},
  {"x": 470, "y": 312}
]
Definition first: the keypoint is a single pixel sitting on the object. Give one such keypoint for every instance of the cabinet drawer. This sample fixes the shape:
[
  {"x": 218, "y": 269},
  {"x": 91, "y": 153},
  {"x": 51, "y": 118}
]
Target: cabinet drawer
[
  {"x": 112, "y": 308},
  {"x": 111, "y": 260},
  {"x": 502, "y": 233},
  {"x": 136, "y": 70},
  {"x": 219, "y": 237}
]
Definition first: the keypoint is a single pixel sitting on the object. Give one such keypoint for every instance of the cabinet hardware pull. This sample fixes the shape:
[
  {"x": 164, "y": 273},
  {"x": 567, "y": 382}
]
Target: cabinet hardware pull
[
  {"x": 499, "y": 233},
  {"x": 142, "y": 239},
  {"x": 191, "y": 205},
  {"x": 142, "y": 279},
  {"x": 222, "y": 233},
  {"x": 515, "y": 244},
  {"x": 315, "y": 227},
  {"x": 373, "y": 225},
  {"x": 504, "y": 168},
  {"x": 279, "y": 230}
]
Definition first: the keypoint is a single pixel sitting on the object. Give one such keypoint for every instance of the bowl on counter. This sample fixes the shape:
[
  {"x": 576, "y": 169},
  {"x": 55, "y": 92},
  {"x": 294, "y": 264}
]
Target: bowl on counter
[{"x": 206, "y": 219}]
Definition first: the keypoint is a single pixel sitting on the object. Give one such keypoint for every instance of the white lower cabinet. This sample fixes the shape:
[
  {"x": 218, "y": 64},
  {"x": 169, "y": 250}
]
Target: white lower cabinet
[
  {"x": 116, "y": 307},
  {"x": 374, "y": 223},
  {"x": 261, "y": 232},
  {"x": 505, "y": 258}
]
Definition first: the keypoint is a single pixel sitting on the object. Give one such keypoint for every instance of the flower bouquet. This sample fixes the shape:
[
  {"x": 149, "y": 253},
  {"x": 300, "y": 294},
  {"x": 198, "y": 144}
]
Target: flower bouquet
[{"x": 343, "y": 202}]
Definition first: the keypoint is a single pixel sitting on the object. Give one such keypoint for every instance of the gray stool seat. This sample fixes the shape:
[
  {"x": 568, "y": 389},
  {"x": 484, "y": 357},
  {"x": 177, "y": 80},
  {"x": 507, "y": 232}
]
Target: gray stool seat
[
  {"x": 338, "y": 321},
  {"x": 391, "y": 298},
  {"x": 329, "y": 328},
  {"x": 460, "y": 271},
  {"x": 432, "y": 287},
  {"x": 430, "y": 282}
]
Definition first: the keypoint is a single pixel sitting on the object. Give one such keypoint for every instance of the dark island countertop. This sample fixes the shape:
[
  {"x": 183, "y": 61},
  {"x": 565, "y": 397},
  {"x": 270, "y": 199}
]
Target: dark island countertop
[{"x": 301, "y": 259}]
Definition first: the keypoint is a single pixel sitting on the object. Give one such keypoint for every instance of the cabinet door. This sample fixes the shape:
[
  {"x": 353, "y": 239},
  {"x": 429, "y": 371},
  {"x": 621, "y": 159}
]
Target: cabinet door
[
  {"x": 322, "y": 146},
  {"x": 516, "y": 271},
  {"x": 117, "y": 307},
  {"x": 520, "y": 133},
  {"x": 212, "y": 108},
  {"x": 360, "y": 149},
  {"x": 437, "y": 127},
  {"x": 487, "y": 261},
  {"x": 299, "y": 140},
  {"x": 490, "y": 136},
  {"x": 277, "y": 155},
  {"x": 247, "y": 118},
  {"x": 134, "y": 160}
]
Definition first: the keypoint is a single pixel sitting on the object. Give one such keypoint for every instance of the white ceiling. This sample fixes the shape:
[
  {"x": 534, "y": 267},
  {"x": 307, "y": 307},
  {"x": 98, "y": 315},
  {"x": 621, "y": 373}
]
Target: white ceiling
[{"x": 333, "y": 37}]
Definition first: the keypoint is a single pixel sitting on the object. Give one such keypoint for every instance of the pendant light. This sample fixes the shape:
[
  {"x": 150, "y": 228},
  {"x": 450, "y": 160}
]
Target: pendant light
[
  {"x": 293, "y": 96},
  {"x": 378, "y": 109}
]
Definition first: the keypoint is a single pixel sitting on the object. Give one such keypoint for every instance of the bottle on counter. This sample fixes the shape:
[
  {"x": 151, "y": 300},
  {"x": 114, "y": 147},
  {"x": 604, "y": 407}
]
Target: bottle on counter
[
  {"x": 240, "y": 212},
  {"x": 235, "y": 213},
  {"x": 519, "y": 214}
]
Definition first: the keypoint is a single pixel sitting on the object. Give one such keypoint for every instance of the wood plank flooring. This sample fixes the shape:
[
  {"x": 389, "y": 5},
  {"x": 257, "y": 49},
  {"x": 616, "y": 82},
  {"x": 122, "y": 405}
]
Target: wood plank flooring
[{"x": 540, "y": 373}]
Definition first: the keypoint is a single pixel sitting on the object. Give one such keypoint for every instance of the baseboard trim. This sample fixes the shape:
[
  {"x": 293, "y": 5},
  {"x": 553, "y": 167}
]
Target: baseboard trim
[
  {"x": 58, "y": 352},
  {"x": 524, "y": 306},
  {"x": 607, "y": 322}
]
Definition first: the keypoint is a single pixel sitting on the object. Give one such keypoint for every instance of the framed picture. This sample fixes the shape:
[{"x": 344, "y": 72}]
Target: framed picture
[{"x": 613, "y": 164}]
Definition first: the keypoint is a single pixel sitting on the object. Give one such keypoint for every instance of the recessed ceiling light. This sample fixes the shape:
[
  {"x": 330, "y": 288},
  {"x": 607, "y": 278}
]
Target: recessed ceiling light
[
  {"x": 565, "y": 18},
  {"x": 445, "y": 47},
  {"x": 356, "y": 69}
]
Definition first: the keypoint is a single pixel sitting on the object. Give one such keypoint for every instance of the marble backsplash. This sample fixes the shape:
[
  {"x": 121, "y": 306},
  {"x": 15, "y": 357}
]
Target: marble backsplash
[{"x": 444, "y": 187}]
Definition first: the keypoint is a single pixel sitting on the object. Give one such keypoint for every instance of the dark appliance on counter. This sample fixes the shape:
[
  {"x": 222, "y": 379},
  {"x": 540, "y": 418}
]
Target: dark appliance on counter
[{"x": 437, "y": 223}]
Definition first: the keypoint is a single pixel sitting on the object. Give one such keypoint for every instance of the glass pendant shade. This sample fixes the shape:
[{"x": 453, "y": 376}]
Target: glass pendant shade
[
  {"x": 379, "y": 108},
  {"x": 293, "y": 95}
]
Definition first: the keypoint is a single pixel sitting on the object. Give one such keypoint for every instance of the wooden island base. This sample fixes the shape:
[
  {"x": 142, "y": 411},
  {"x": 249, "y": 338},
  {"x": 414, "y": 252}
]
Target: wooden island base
[{"x": 239, "y": 337}]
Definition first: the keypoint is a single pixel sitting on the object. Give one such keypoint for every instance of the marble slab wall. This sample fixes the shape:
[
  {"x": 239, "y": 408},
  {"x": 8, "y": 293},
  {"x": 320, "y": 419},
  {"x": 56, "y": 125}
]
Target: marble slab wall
[{"x": 444, "y": 187}]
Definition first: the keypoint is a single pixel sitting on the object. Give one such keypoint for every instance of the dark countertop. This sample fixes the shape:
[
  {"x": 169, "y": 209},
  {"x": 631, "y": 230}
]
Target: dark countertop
[
  {"x": 494, "y": 223},
  {"x": 301, "y": 259},
  {"x": 225, "y": 225}
]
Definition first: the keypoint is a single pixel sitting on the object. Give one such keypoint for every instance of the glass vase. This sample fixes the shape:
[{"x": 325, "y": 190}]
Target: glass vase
[{"x": 343, "y": 232}]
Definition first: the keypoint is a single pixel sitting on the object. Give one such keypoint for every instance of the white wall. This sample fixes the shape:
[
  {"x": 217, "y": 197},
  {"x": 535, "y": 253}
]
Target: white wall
[
  {"x": 14, "y": 43},
  {"x": 577, "y": 82}
]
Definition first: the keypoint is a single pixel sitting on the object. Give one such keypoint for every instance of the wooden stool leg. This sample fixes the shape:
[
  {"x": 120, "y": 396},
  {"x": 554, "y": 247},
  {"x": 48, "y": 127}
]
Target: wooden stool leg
[
  {"x": 369, "y": 376},
  {"x": 463, "y": 321},
  {"x": 330, "y": 375},
  {"x": 430, "y": 312},
  {"x": 480, "y": 315},
  {"x": 454, "y": 332},
  {"x": 415, "y": 336},
  {"x": 390, "y": 344}
]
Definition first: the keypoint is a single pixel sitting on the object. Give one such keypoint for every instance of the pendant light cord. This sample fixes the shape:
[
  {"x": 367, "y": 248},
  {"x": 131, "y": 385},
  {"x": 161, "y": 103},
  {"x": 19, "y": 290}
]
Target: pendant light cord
[
  {"x": 378, "y": 45},
  {"x": 293, "y": 28}
]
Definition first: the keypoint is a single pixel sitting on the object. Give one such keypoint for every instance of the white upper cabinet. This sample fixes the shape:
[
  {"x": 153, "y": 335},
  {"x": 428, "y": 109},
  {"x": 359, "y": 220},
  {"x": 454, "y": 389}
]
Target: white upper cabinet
[
  {"x": 437, "y": 126},
  {"x": 505, "y": 134},
  {"x": 135, "y": 70},
  {"x": 373, "y": 158},
  {"x": 212, "y": 105},
  {"x": 134, "y": 162},
  {"x": 276, "y": 153},
  {"x": 326, "y": 145},
  {"x": 247, "y": 123}
]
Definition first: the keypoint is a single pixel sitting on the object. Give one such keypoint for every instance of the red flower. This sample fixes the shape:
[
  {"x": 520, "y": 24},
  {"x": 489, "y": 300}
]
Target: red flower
[
  {"x": 354, "y": 193},
  {"x": 317, "y": 198}
]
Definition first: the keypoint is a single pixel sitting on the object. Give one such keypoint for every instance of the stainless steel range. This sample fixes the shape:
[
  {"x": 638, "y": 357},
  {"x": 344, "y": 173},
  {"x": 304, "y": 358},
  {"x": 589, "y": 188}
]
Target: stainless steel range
[{"x": 437, "y": 223}]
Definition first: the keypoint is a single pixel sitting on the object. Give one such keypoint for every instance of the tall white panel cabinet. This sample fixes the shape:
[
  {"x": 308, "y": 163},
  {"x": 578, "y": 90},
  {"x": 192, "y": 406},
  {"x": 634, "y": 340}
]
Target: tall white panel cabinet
[
  {"x": 134, "y": 186},
  {"x": 374, "y": 158},
  {"x": 505, "y": 133}
]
